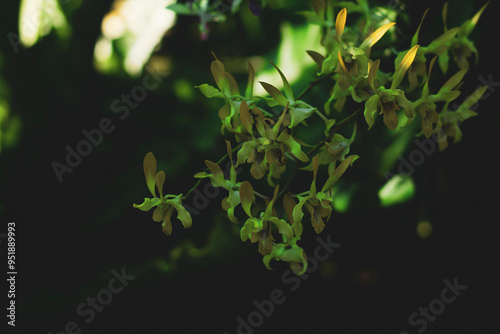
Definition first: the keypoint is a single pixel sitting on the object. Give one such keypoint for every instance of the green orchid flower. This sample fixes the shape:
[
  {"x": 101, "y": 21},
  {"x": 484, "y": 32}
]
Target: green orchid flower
[
  {"x": 165, "y": 205},
  {"x": 319, "y": 204},
  {"x": 259, "y": 229},
  {"x": 291, "y": 253},
  {"x": 334, "y": 151},
  {"x": 460, "y": 46},
  {"x": 229, "y": 91},
  {"x": 353, "y": 61},
  {"x": 388, "y": 101},
  {"x": 425, "y": 107},
  {"x": 298, "y": 110},
  {"x": 218, "y": 179},
  {"x": 438, "y": 47},
  {"x": 350, "y": 64},
  {"x": 267, "y": 143},
  {"x": 449, "y": 121}
]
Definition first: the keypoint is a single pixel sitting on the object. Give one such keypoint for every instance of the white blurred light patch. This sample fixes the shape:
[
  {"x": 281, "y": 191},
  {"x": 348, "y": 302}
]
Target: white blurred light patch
[
  {"x": 37, "y": 18},
  {"x": 139, "y": 26},
  {"x": 294, "y": 41}
]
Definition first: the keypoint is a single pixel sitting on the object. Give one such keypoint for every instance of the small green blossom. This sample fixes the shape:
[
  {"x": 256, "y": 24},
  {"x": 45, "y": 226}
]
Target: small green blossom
[{"x": 165, "y": 205}]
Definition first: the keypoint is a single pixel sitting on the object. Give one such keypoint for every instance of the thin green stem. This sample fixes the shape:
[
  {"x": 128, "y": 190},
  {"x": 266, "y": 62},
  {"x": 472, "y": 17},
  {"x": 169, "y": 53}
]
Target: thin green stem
[
  {"x": 312, "y": 84},
  {"x": 206, "y": 170},
  {"x": 261, "y": 196},
  {"x": 321, "y": 115}
]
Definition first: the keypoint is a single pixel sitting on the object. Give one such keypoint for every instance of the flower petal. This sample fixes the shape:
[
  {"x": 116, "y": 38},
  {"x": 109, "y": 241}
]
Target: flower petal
[
  {"x": 246, "y": 196},
  {"x": 340, "y": 23},
  {"x": 376, "y": 36},
  {"x": 403, "y": 66},
  {"x": 275, "y": 93},
  {"x": 149, "y": 165}
]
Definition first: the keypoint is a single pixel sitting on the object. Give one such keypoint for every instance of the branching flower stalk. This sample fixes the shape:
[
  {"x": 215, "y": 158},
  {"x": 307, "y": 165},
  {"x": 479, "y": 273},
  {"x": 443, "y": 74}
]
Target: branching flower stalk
[{"x": 264, "y": 141}]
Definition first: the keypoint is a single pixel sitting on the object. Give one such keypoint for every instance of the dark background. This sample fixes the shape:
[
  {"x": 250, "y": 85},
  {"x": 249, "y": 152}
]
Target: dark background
[{"x": 70, "y": 235}]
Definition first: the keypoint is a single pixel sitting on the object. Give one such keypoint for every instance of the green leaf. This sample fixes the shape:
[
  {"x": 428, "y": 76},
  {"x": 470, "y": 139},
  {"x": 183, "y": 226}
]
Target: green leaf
[{"x": 209, "y": 91}]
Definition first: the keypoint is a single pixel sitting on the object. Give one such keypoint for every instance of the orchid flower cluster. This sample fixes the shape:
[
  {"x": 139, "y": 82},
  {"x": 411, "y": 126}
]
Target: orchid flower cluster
[{"x": 261, "y": 129}]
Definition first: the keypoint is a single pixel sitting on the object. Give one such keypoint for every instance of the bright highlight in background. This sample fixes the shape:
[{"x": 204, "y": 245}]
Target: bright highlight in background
[
  {"x": 37, "y": 18},
  {"x": 294, "y": 41},
  {"x": 424, "y": 229},
  {"x": 137, "y": 26},
  {"x": 398, "y": 189}
]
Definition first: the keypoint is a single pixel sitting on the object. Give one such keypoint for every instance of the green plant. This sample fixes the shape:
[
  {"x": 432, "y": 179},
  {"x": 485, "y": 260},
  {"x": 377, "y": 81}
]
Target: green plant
[{"x": 261, "y": 130}]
